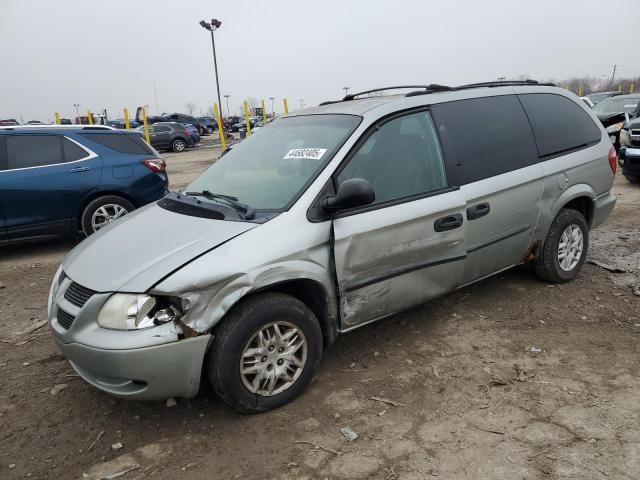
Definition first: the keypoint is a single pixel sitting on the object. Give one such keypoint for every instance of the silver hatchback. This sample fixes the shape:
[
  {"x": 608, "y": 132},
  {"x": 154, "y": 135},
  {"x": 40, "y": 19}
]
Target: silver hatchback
[{"x": 326, "y": 220}]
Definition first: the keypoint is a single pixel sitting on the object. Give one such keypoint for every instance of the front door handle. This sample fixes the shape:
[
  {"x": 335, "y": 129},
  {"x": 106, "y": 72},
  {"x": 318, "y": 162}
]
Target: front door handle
[
  {"x": 79, "y": 169},
  {"x": 477, "y": 211},
  {"x": 449, "y": 222}
]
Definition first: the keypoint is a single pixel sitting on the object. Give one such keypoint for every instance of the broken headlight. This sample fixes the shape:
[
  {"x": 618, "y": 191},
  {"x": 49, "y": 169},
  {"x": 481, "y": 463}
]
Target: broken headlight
[
  {"x": 125, "y": 311},
  {"x": 615, "y": 128},
  {"x": 625, "y": 139}
]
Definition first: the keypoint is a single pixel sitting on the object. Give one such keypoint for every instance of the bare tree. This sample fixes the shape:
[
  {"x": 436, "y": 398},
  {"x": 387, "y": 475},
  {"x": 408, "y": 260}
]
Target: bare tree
[{"x": 191, "y": 107}]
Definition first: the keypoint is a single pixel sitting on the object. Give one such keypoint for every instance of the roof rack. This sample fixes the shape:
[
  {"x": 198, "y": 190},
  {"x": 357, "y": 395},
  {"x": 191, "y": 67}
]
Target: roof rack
[
  {"x": 427, "y": 88},
  {"x": 503, "y": 83}
]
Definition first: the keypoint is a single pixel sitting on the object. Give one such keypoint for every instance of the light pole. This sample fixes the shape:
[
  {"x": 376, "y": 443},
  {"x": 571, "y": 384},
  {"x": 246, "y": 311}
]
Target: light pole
[
  {"x": 346, "y": 90},
  {"x": 227, "y": 99},
  {"x": 272, "y": 110},
  {"x": 213, "y": 26},
  {"x": 77, "y": 105},
  {"x": 301, "y": 103}
]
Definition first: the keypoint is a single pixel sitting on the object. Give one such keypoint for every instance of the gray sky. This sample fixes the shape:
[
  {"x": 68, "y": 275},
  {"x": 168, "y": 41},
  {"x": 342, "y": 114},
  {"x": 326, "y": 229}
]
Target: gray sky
[{"x": 108, "y": 54}]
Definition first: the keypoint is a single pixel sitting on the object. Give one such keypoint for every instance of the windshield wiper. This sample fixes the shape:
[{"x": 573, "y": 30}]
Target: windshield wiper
[{"x": 233, "y": 201}]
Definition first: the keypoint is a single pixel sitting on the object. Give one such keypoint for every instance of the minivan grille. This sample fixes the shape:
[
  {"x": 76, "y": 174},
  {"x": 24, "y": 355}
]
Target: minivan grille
[
  {"x": 65, "y": 319},
  {"x": 78, "y": 295}
]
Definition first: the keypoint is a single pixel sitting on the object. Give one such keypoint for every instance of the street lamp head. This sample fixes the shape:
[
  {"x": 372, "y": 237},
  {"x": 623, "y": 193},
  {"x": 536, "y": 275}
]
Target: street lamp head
[
  {"x": 215, "y": 23},
  {"x": 205, "y": 25}
]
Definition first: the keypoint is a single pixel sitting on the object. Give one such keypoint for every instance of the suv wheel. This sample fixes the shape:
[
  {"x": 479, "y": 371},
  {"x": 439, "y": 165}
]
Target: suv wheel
[
  {"x": 210, "y": 130},
  {"x": 103, "y": 211},
  {"x": 178, "y": 145},
  {"x": 632, "y": 178},
  {"x": 264, "y": 353},
  {"x": 565, "y": 248}
]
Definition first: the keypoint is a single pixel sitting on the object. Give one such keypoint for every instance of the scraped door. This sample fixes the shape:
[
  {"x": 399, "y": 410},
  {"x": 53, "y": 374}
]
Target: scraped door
[{"x": 407, "y": 247}]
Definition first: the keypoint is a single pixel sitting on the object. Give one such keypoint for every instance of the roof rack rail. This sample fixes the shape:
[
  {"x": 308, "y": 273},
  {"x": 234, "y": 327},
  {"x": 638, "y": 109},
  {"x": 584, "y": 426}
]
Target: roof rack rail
[
  {"x": 352, "y": 96},
  {"x": 504, "y": 83},
  {"x": 70, "y": 127}
]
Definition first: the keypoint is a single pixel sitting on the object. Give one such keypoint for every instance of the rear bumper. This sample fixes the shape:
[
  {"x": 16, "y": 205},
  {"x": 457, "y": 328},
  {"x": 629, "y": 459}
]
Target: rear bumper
[
  {"x": 603, "y": 205},
  {"x": 151, "y": 373},
  {"x": 629, "y": 160}
]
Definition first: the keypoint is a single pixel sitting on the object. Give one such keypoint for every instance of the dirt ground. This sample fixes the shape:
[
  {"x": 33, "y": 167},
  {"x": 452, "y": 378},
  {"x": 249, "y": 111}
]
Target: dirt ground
[{"x": 511, "y": 378}]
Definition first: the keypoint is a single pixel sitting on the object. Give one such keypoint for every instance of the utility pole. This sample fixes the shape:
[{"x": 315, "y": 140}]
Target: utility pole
[
  {"x": 272, "y": 110},
  {"x": 613, "y": 75},
  {"x": 346, "y": 90},
  {"x": 227, "y": 98}
]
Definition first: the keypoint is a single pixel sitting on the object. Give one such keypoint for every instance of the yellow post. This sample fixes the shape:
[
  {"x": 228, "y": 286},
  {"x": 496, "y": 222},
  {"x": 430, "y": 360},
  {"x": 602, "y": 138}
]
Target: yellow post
[
  {"x": 146, "y": 125},
  {"x": 620, "y": 87},
  {"x": 286, "y": 106},
  {"x": 126, "y": 119},
  {"x": 246, "y": 118},
  {"x": 89, "y": 117},
  {"x": 223, "y": 141},
  {"x": 631, "y": 87},
  {"x": 57, "y": 117},
  {"x": 580, "y": 90},
  {"x": 264, "y": 113}
]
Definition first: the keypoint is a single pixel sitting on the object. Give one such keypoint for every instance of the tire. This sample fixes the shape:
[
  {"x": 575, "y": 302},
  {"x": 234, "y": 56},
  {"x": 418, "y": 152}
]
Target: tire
[
  {"x": 210, "y": 130},
  {"x": 179, "y": 145},
  {"x": 632, "y": 178},
  {"x": 548, "y": 265},
  {"x": 103, "y": 211},
  {"x": 239, "y": 331}
]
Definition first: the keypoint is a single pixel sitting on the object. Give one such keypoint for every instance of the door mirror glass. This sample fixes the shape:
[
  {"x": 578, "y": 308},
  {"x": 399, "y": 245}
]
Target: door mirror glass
[{"x": 355, "y": 192}]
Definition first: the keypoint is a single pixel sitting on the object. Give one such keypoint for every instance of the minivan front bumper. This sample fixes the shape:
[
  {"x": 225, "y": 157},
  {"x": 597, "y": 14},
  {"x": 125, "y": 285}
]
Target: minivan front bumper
[{"x": 151, "y": 373}]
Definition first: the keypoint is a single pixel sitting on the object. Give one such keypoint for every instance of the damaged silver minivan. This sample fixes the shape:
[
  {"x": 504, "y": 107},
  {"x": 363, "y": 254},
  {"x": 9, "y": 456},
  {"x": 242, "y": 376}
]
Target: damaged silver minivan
[{"x": 326, "y": 220}]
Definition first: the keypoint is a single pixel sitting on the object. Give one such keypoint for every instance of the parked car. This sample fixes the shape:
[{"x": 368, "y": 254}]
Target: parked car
[
  {"x": 168, "y": 136},
  {"x": 155, "y": 119},
  {"x": 597, "y": 97},
  {"x": 209, "y": 123},
  {"x": 613, "y": 113},
  {"x": 120, "y": 123},
  {"x": 8, "y": 122},
  {"x": 57, "y": 181},
  {"x": 35, "y": 122},
  {"x": 232, "y": 120},
  {"x": 195, "y": 136},
  {"x": 629, "y": 154},
  {"x": 236, "y": 127},
  {"x": 330, "y": 219},
  {"x": 182, "y": 118}
]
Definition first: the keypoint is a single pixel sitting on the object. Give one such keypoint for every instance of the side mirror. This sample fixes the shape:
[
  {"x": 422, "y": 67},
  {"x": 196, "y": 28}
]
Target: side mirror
[{"x": 355, "y": 192}]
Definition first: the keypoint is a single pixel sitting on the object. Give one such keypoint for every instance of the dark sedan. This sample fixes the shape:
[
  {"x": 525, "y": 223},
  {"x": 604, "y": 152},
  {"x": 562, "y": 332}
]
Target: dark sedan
[{"x": 169, "y": 136}]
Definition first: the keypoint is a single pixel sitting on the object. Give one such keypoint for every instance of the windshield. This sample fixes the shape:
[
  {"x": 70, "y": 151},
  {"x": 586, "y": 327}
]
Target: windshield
[
  {"x": 617, "y": 105},
  {"x": 267, "y": 170}
]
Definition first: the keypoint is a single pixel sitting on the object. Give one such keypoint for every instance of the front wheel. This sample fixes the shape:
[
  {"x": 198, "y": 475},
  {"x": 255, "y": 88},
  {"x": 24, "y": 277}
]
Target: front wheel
[
  {"x": 103, "y": 211},
  {"x": 264, "y": 353},
  {"x": 565, "y": 248},
  {"x": 632, "y": 178},
  {"x": 210, "y": 130}
]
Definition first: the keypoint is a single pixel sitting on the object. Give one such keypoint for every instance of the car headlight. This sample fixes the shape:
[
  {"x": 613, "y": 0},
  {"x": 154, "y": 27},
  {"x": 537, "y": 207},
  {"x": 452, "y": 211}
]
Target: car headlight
[
  {"x": 625, "y": 139},
  {"x": 125, "y": 311},
  {"x": 615, "y": 128}
]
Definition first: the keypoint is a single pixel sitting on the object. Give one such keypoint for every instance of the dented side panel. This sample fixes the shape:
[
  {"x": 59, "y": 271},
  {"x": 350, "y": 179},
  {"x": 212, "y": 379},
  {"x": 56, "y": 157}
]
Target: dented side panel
[{"x": 392, "y": 258}]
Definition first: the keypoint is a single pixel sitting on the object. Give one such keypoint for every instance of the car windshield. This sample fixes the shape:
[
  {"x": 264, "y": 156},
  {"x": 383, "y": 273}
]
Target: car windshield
[
  {"x": 268, "y": 170},
  {"x": 617, "y": 105}
]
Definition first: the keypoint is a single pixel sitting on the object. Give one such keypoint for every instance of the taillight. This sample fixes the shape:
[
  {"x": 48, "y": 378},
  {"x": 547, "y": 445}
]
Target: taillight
[
  {"x": 155, "y": 164},
  {"x": 613, "y": 160}
]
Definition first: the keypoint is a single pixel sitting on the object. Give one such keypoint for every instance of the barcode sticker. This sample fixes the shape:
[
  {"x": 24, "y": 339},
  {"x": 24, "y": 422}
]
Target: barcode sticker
[{"x": 305, "y": 153}]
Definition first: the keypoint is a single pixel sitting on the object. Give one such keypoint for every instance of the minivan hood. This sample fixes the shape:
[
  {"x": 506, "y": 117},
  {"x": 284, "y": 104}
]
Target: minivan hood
[{"x": 140, "y": 249}]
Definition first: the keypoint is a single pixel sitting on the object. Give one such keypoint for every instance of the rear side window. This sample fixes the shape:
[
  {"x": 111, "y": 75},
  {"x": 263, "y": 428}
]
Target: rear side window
[
  {"x": 484, "y": 137},
  {"x": 162, "y": 129},
  {"x": 559, "y": 124},
  {"x": 24, "y": 151},
  {"x": 72, "y": 151},
  {"x": 130, "y": 144}
]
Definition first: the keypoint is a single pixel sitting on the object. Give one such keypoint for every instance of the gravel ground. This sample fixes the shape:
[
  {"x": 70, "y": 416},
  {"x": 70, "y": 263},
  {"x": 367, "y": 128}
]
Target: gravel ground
[{"x": 510, "y": 378}]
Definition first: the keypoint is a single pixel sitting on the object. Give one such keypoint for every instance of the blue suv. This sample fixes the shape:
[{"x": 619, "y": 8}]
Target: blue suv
[{"x": 58, "y": 181}]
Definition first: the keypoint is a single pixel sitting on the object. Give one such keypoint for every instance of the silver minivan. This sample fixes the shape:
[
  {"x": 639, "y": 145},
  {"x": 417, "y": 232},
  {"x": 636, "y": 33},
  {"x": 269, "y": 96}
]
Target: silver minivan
[{"x": 326, "y": 220}]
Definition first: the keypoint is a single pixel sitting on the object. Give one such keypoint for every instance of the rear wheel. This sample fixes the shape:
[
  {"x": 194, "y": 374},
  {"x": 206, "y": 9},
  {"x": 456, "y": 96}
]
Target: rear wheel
[
  {"x": 565, "y": 248},
  {"x": 633, "y": 178},
  {"x": 179, "y": 145},
  {"x": 265, "y": 353},
  {"x": 103, "y": 211}
]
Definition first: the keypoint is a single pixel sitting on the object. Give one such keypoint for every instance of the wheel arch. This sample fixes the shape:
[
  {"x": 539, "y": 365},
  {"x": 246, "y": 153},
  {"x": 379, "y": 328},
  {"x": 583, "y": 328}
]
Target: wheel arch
[{"x": 579, "y": 197}]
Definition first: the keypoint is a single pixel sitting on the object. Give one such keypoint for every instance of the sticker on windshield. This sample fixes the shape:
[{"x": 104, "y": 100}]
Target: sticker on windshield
[
  {"x": 305, "y": 153},
  {"x": 630, "y": 105}
]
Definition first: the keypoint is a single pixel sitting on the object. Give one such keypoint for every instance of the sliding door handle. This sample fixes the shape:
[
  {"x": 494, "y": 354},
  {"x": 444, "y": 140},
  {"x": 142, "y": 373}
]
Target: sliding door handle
[{"x": 477, "y": 211}]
